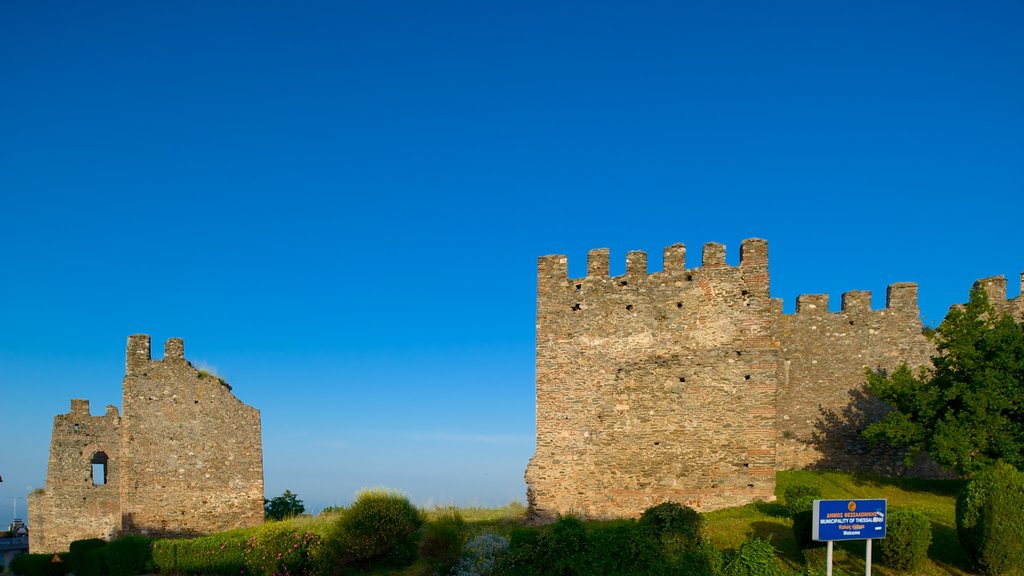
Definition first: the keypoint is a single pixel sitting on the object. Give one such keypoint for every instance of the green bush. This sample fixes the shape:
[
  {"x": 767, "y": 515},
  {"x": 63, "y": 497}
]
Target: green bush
[
  {"x": 525, "y": 555},
  {"x": 216, "y": 555},
  {"x": 907, "y": 536},
  {"x": 81, "y": 562},
  {"x": 380, "y": 528},
  {"x": 800, "y": 506},
  {"x": 673, "y": 518},
  {"x": 754, "y": 557},
  {"x": 272, "y": 548},
  {"x": 800, "y": 498},
  {"x": 40, "y": 565},
  {"x": 565, "y": 546},
  {"x": 623, "y": 548},
  {"x": 988, "y": 520},
  {"x": 126, "y": 556},
  {"x": 441, "y": 545}
]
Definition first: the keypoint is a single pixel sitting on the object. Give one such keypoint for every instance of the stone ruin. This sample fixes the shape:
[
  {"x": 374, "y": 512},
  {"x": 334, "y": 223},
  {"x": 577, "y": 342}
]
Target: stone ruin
[
  {"x": 184, "y": 458},
  {"x": 692, "y": 385}
]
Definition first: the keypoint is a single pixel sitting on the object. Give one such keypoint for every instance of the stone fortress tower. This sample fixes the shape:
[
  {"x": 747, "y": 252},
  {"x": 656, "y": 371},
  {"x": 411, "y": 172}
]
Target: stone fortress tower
[
  {"x": 692, "y": 385},
  {"x": 185, "y": 457}
]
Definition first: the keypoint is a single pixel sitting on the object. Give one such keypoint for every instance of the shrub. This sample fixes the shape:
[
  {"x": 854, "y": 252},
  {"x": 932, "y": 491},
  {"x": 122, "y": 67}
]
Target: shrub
[
  {"x": 988, "y": 520},
  {"x": 676, "y": 519},
  {"x": 907, "y": 536},
  {"x": 441, "y": 545},
  {"x": 754, "y": 557},
  {"x": 40, "y": 565},
  {"x": 276, "y": 548},
  {"x": 565, "y": 546},
  {"x": 77, "y": 553},
  {"x": 621, "y": 548},
  {"x": 380, "y": 527},
  {"x": 480, "y": 555},
  {"x": 800, "y": 498},
  {"x": 525, "y": 555},
  {"x": 126, "y": 556},
  {"x": 800, "y": 506},
  {"x": 214, "y": 555}
]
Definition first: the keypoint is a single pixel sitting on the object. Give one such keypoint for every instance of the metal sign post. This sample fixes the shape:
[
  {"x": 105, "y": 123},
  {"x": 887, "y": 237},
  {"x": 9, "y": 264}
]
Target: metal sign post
[{"x": 848, "y": 520}]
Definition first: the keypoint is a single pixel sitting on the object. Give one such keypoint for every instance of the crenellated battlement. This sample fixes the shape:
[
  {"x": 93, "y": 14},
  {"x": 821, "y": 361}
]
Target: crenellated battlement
[
  {"x": 693, "y": 385},
  {"x": 554, "y": 267},
  {"x": 901, "y": 297},
  {"x": 139, "y": 357}
]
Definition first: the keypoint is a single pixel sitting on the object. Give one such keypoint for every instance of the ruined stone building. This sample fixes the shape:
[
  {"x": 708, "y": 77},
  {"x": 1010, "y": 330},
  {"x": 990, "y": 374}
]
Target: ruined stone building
[
  {"x": 185, "y": 457},
  {"x": 692, "y": 385}
]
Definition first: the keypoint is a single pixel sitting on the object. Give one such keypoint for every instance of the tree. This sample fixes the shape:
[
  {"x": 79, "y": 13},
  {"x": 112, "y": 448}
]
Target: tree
[
  {"x": 968, "y": 411},
  {"x": 283, "y": 506}
]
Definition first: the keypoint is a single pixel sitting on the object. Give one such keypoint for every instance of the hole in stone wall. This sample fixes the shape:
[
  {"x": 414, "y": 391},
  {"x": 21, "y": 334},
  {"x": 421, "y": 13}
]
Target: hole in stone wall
[
  {"x": 682, "y": 379},
  {"x": 738, "y": 353},
  {"x": 76, "y": 427},
  {"x": 657, "y": 443},
  {"x": 629, "y": 306},
  {"x": 99, "y": 468},
  {"x": 679, "y": 304},
  {"x": 689, "y": 277},
  {"x": 196, "y": 401},
  {"x": 579, "y": 287},
  {"x": 750, "y": 485},
  {"x": 747, "y": 377},
  {"x": 576, "y": 307},
  {"x": 851, "y": 322},
  {"x": 622, "y": 283},
  {"x": 743, "y": 292}
]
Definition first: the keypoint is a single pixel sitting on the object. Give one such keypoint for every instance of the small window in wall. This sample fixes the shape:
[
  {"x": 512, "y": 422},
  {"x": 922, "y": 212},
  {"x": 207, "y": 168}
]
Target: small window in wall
[{"x": 99, "y": 468}]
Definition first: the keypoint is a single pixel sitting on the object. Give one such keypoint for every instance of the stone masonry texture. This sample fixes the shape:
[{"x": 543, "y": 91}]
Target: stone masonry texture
[
  {"x": 184, "y": 458},
  {"x": 691, "y": 385}
]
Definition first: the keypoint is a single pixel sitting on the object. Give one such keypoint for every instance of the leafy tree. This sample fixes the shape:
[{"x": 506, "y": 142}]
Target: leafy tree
[
  {"x": 284, "y": 506},
  {"x": 968, "y": 412}
]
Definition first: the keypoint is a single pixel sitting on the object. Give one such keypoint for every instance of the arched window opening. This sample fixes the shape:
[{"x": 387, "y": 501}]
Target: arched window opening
[{"x": 99, "y": 468}]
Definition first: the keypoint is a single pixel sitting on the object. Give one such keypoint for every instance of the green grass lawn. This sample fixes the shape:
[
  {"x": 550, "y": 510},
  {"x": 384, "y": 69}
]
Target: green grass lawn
[{"x": 936, "y": 499}]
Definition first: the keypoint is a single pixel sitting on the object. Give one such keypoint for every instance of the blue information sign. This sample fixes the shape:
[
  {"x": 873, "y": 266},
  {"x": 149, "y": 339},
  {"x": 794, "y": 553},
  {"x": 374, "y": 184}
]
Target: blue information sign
[{"x": 848, "y": 520}]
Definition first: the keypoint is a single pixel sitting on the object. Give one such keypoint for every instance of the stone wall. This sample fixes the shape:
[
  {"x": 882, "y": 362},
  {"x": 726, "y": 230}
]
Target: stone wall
[
  {"x": 654, "y": 387},
  {"x": 821, "y": 405},
  {"x": 185, "y": 458},
  {"x": 75, "y": 505},
  {"x": 692, "y": 385},
  {"x": 192, "y": 457}
]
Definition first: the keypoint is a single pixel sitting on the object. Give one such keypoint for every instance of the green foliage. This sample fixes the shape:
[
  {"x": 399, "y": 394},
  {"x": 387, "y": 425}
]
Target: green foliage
[
  {"x": 623, "y": 548},
  {"x": 380, "y": 528},
  {"x": 800, "y": 497},
  {"x": 754, "y": 557},
  {"x": 988, "y": 520},
  {"x": 565, "y": 546},
  {"x": 675, "y": 519},
  {"x": 77, "y": 553},
  {"x": 126, "y": 556},
  {"x": 969, "y": 412},
  {"x": 800, "y": 506},
  {"x": 907, "y": 537},
  {"x": 443, "y": 536},
  {"x": 271, "y": 549},
  {"x": 283, "y": 506},
  {"x": 40, "y": 565}
]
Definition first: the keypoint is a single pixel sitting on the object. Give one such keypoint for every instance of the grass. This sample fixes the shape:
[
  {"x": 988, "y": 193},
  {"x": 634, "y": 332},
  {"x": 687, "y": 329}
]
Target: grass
[
  {"x": 936, "y": 499},
  {"x": 727, "y": 528}
]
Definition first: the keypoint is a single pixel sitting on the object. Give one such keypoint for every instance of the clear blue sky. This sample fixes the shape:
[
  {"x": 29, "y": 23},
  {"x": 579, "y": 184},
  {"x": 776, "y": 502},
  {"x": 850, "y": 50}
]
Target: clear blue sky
[{"x": 339, "y": 205}]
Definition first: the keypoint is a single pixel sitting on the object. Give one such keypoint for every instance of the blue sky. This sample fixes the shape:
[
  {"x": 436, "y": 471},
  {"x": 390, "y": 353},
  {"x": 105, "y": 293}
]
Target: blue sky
[{"x": 339, "y": 206}]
